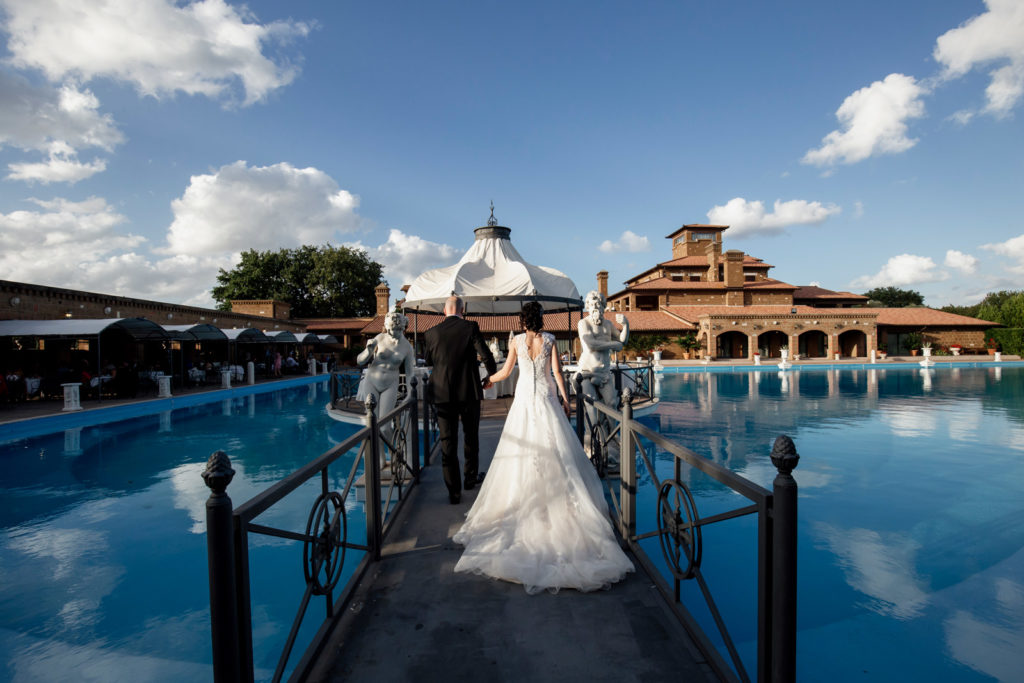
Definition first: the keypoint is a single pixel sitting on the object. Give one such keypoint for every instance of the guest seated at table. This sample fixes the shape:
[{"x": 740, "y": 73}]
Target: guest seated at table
[
  {"x": 15, "y": 385},
  {"x": 33, "y": 384}
]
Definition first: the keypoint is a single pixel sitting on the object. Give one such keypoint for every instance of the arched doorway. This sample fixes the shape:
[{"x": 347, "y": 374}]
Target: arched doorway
[
  {"x": 731, "y": 345},
  {"x": 771, "y": 343},
  {"x": 813, "y": 344},
  {"x": 853, "y": 343}
]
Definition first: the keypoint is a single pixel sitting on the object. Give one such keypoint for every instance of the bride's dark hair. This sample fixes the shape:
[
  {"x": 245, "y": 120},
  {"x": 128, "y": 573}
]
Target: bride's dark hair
[{"x": 531, "y": 317}]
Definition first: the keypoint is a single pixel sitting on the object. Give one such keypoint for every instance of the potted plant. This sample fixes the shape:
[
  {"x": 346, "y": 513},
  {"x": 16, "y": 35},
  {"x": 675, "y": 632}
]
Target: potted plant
[
  {"x": 913, "y": 342},
  {"x": 926, "y": 348},
  {"x": 882, "y": 350},
  {"x": 955, "y": 349},
  {"x": 990, "y": 346},
  {"x": 688, "y": 343},
  {"x": 784, "y": 352}
]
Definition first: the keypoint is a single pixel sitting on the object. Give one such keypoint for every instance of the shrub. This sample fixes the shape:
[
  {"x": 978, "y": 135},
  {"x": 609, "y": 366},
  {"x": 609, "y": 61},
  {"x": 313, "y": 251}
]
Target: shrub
[{"x": 1007, "y": 339}]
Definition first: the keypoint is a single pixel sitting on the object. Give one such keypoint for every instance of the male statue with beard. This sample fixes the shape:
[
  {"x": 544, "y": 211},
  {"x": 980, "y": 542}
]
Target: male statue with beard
[{"x": 599, "y": 338}]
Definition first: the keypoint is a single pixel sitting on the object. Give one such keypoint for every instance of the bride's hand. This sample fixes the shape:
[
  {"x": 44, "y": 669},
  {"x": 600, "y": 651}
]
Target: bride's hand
[{"x": 565, "y": 405}]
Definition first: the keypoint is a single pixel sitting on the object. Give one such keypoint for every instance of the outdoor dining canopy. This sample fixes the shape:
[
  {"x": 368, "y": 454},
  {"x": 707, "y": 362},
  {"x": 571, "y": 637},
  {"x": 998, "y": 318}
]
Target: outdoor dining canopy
[
  {"x": 139, "y": 329},
  {"x": 493, "y": 279},
  {"x": 246, "y": 335},
  {"x": 199, "y": 332},
  {"x": 282, "y": 336}
]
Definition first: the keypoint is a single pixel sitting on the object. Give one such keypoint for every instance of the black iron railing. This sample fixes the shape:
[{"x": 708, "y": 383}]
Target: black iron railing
[
  {"x": 680, "y": 529},
  {"x": 343, "y": 387},
  {"x": 391, "y": 442}
]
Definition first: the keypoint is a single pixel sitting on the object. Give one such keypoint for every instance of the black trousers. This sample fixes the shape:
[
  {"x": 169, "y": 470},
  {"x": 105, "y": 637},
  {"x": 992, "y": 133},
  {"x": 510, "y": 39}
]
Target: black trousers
[{"x": 448, "y": 417}]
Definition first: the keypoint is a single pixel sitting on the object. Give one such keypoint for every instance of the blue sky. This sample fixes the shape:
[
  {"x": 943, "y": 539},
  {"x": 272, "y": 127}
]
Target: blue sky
[{"x": 145, "y": 143}]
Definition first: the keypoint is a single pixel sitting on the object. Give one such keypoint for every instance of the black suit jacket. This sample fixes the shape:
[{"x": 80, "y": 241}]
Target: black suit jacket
[{"x": 451, "y": 349}]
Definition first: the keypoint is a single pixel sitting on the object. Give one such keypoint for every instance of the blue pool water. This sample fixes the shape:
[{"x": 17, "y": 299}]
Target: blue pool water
[
  {"x": 911, "y": 524},
  {"x": 911, "y": 528},
  {"x": 103, "y": 572}
]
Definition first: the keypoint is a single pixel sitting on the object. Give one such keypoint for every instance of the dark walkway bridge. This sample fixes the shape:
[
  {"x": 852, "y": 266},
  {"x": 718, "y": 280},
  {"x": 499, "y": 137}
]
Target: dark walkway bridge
[{"x": 414, "y": 619}]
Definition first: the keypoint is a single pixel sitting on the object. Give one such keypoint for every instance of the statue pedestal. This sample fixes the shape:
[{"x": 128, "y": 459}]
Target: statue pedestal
[
  {"x": 250, "y": 373},
  {"x": 163, "y": 384},
  {"x": 71, "y": 396},
  {"x": 311, "y": 367},
  {"x": 225, "y": 378}
]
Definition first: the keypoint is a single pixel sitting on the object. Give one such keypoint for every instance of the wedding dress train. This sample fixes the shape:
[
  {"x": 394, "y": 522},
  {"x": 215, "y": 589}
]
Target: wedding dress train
[{"x": 540, "y": 518}]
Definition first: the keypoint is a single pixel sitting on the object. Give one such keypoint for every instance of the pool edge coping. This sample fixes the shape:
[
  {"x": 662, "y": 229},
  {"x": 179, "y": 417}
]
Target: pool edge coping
[{"x": 47, "y": 424}]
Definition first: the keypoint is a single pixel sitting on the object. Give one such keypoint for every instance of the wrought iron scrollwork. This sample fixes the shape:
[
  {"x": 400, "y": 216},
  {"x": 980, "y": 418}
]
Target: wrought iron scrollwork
[
  {"x": 678, "y": 529},
  {"x": 323, "y": 553},
  {"x": 598, "y": 449}
]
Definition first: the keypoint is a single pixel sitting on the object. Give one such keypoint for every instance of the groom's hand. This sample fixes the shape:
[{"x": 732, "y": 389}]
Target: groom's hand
[{"x": 488, "y": 384}]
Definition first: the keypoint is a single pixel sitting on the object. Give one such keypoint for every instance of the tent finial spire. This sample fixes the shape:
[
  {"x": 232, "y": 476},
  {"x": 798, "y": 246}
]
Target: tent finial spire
[{"x": 492, "y": 221}]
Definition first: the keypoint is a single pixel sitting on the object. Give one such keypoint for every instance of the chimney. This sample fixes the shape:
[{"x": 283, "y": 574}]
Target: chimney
[
  {"x": 602, "y": 283},
  {"x": 712, "y": 255},
  {"x": 733, "y": 268},
  {"x": 383, "y": 293}
]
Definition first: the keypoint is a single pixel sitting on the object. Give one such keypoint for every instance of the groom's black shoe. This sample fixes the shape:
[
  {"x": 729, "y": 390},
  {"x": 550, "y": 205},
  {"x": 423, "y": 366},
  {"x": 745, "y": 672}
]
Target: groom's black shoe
[
  {"x": 454, "y": 498},
  {"x": 471, "y": 482}
]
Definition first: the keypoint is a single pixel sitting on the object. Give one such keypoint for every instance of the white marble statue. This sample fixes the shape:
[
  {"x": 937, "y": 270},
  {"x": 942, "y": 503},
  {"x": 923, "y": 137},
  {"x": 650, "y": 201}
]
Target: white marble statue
[
  {"x": 387, "y": 354},
  {"x": 499, "y": 357},
  {"x": 599, "y": 338}
]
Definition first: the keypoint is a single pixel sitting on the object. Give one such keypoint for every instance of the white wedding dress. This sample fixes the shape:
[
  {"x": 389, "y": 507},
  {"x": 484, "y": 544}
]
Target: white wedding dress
[{"x": 540, "y": 518}]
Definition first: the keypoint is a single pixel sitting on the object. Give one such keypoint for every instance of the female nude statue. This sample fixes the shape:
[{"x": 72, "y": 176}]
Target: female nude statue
[{"x": 387, "y": 353}]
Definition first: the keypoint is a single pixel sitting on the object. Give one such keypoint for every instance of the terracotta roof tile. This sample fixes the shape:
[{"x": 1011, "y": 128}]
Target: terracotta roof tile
[
  {"x": 927, "y": 316},
  {"x": 812, "y": 292},
  {"x": 693, "y": 313},
  {"x": 642, "y": 321},
  {"x": 335, "y": 323},
  {"x": 662, "y": 283}
]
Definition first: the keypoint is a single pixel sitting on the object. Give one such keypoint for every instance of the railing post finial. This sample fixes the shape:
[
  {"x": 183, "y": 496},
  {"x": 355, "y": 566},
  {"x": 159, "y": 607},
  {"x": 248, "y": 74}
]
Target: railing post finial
[
  {"x": 627, "y": 396},
  {"x": 220, "y": 558},
  {"x": 784, "y": 455},
  {"x": 784, "y": 558},
  {"x": 218, "y": 473}
]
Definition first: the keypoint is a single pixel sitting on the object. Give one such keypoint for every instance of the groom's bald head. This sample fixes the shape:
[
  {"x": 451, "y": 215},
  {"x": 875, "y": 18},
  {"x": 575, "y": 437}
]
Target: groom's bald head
[{"x": 453, "y": 306}]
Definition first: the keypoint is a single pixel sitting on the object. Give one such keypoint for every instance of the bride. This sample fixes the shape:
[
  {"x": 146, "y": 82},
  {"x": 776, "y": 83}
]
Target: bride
[{"x": 540, "y": 518}]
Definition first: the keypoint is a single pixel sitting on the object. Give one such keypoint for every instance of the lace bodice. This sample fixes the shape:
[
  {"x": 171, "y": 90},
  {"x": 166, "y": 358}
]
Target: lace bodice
[{"x": 535, "y": 373}]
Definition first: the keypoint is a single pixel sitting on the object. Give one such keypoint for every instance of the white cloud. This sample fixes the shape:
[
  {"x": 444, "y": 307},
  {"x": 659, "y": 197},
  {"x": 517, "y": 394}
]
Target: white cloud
[
  {"x": 881, "y": 566},
  {"x": 240, "y": 207},
  {"x": 159, "y": 46},
  {"x": 56, "y": 122},
  {"x": 62, "y": 166},
  {"x": 901, "y": 270},
  {"x": 750, "y": 217},
  {"x": 1013, "y": 248},
  {"x": 628, "y": 241},
  {"x": 78, "y": 245},
  {"x": 996, "y": 36},
  {"x": 872, "y": 121},
  {"x": 958, "y": 260},
  {"x": 858, "y": 209},
  {"x": 32, "y": 118},
  {"x": 405, "y": 257}
]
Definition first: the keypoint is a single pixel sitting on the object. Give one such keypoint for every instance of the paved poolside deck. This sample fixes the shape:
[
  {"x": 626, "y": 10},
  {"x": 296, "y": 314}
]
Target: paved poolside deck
[{"x": 414, "y": 619}]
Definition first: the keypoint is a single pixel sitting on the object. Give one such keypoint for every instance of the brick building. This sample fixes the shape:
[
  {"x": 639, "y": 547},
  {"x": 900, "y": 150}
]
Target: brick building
[{"x": 732, "y": 305}]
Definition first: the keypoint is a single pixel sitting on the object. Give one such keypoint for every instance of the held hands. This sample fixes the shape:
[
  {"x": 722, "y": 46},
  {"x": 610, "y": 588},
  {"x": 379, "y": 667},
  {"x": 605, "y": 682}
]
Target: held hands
[
  {"x": 565, "y": 405},
  {"x": 487, "y": 383}
]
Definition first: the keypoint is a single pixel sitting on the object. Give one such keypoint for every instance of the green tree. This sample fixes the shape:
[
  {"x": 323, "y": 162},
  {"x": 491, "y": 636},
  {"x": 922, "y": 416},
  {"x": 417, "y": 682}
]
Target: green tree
[
  {"x": 318, "y": 282},
  {"x": 1005, "y": 307},
  {"x": 894, "y": 297}
]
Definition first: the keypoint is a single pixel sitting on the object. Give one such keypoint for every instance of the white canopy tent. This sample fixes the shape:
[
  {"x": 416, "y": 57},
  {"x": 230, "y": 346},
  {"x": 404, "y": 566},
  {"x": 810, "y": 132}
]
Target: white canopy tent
[{"x": 493, "y": 279}]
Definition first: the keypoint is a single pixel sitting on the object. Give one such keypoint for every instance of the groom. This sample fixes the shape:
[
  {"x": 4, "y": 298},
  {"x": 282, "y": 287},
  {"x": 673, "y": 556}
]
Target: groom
[{"x": 452, "y": 347}]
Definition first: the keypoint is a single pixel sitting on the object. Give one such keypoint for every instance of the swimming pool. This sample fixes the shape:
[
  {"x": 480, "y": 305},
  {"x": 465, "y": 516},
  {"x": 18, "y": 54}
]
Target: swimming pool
[
  {"x": 103, "y": 570},
  {"x": 911, "y": 520}
]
